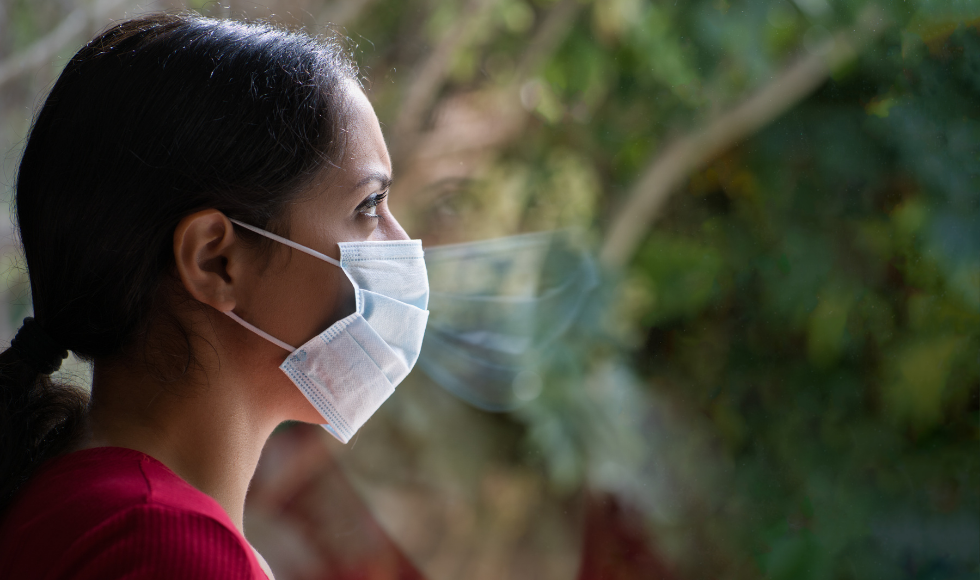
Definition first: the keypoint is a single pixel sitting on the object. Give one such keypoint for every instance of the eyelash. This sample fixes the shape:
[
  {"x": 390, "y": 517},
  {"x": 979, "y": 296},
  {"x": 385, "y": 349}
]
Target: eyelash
[{"x": 370, "y": 203}]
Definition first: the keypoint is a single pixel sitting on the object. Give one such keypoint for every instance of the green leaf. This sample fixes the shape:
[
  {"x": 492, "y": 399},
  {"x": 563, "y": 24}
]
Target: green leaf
[
  {"x": 826, "y": 326},
  {"x": 680, "y": 277},
  {"x": 913, "y": 392}
]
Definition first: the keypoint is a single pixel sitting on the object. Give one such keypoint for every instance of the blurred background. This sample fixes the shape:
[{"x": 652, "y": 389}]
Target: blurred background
[{"x": 752, "y": 350}]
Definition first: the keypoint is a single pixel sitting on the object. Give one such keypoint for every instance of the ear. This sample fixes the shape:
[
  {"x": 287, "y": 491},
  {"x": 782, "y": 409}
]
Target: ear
[{"x": 204, "y": 245}]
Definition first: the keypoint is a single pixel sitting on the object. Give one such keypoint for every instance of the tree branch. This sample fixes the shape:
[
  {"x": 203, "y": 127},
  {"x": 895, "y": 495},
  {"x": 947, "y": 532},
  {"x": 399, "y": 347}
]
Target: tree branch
[
  {"x": 669, "y": 168},
  {"x": 47, "y": 47},
  {"x": 552, "y": 31},
  {"x": 342, "y": 13},
  {"x": 429, "y": 77}
]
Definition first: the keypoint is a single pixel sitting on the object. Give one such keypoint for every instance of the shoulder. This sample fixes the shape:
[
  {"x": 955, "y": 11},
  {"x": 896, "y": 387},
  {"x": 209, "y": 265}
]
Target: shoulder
[
  {"x": 158, "y": 541},
  {"x": 119, "y": 513},
  {"x": 82, "y": 489}
]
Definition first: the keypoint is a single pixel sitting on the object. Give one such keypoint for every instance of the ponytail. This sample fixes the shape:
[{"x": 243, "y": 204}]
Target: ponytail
[{"x": 38, "y": 418}]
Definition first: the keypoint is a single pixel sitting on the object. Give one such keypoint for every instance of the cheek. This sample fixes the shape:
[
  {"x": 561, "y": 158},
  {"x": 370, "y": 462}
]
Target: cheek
[
  {"x": 343, "y": 303},
  {"x": 324, "y": 296},
  {"x": 306, "y": 298}
]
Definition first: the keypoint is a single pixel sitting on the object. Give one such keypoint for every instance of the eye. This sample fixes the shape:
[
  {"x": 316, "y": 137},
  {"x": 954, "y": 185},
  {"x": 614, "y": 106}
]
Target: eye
[{"x": 369, "y": 207}]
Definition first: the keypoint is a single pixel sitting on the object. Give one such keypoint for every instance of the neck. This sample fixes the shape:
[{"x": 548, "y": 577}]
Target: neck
[{"x": 203, "y": 428}]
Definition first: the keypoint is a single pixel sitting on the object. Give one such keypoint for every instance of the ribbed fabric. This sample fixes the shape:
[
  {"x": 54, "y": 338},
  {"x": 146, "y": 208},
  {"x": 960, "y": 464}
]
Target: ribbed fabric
[{"x": 112, "y": 513}]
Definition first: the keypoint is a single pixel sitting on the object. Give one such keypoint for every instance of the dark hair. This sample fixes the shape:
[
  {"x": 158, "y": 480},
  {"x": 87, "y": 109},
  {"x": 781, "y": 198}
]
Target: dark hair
[{"x": 154, "y": 119}]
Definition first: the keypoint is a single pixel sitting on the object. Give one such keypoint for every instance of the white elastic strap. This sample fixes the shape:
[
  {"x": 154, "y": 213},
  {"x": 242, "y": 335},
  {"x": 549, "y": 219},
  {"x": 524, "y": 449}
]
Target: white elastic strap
[
  {"x": 260, "y": 332},
  {"x": 289, "y": 243}
]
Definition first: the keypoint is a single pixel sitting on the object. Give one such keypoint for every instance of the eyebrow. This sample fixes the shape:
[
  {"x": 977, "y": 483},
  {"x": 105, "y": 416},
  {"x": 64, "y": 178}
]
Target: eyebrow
[{"x": 383, "y": 178}]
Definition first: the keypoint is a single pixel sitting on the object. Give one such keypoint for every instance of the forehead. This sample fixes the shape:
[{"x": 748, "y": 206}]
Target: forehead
[
  {"x": 366, "y": 151},
  {"x": 364, "y": 155},
  {"x": 325, "y": 213}
]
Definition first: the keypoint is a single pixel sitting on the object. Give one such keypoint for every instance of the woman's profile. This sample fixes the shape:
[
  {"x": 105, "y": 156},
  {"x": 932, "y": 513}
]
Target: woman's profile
[{"x": 202, "y": 205}]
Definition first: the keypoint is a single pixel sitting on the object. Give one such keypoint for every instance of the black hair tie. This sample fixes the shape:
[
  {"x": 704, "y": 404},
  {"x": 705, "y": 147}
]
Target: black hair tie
[{"x": 37, "y": 348}]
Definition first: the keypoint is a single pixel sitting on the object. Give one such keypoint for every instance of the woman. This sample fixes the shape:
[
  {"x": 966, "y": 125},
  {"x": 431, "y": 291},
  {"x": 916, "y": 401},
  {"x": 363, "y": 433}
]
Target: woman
[{"x": 186, "y": 195}]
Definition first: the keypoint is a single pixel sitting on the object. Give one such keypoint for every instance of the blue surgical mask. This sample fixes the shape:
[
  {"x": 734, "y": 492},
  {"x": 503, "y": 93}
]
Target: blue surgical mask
[
  {"x": 498, "y": 306},
  {"x": 353, "y": 366}
]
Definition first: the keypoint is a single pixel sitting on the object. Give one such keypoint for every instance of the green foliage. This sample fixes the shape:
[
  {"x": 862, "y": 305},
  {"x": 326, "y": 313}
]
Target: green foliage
[
  {"x": 680, "y": 278},
  {"x": 804, "y": 320},
  {"x": 841, "y": 247},
  {"x": 785, "y": 378}
]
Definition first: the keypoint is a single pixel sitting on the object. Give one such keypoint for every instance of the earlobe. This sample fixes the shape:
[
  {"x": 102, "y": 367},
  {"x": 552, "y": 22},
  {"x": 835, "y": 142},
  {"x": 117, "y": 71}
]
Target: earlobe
[{"x": 204, "y": 244}]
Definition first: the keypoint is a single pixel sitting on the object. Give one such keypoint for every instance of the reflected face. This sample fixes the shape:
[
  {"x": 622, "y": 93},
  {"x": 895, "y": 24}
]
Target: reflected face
[{"x": 298, "y": 296}]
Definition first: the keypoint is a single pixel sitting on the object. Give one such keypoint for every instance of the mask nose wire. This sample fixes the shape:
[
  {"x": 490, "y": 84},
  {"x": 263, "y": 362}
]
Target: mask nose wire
[{"x": 289, "y": 243}]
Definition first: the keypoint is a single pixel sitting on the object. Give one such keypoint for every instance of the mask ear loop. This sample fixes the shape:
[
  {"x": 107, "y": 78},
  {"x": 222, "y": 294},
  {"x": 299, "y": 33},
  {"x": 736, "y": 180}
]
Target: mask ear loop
[
  {"x": 289, "y": 243},
  {"x": 293, "y": 245},
  {"x": 260, "y": 332}
]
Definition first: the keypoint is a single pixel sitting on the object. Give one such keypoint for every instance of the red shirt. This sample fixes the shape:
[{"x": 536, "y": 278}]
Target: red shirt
[{"x": 110, "y": 513}]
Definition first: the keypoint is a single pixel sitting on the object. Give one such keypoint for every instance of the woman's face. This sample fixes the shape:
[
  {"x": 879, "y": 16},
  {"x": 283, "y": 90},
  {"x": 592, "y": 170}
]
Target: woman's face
[{"x": 298, "y": 296}]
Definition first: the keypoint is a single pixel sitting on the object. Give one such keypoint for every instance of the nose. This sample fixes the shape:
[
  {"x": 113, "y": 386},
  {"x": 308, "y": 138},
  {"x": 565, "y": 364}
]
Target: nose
[{"x": 392, "y": 230}]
